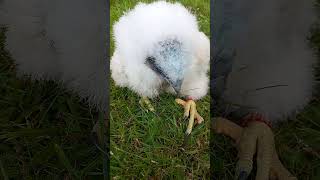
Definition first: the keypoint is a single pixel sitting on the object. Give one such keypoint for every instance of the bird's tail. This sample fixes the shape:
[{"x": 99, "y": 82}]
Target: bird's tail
[{"x": 272, "y": 70}]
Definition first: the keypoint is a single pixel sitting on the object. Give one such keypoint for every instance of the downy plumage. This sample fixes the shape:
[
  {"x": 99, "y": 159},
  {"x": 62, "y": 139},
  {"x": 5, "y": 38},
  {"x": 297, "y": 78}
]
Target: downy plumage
[
  {"x": 63, "y": 40},
  {"x": 273, "y": 67},
  {"x": 158, "y": 47}
]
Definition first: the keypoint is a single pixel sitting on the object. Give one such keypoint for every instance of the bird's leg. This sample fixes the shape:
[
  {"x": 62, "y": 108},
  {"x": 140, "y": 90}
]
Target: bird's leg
[
  {"x": 190, "y": 111},
  {"x": 256, "y": 137},
  {"x": 145, "y": 103}
]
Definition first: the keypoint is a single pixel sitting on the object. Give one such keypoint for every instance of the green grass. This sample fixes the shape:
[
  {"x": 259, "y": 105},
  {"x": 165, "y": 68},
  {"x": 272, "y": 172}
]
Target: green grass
[
  {"x": 44, "y": 130},
  {"x": 146, "y": 145}
]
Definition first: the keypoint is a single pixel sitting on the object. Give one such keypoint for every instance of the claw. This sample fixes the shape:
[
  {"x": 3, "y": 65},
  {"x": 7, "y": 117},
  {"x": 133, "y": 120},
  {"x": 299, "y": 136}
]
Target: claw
[
  {"x": 255, "y": 138},
  {"x": 190, "y": 111},
  {"x": 185, "y": 118},
  {"x": 243, "y": 175},
  {"x": 145, "y": 103},
  {"x": 199, "y": 119}
]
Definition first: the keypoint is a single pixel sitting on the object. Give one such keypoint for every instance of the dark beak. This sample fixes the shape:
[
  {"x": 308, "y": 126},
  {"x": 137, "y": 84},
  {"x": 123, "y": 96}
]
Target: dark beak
[{"x": 177, "y": 86}]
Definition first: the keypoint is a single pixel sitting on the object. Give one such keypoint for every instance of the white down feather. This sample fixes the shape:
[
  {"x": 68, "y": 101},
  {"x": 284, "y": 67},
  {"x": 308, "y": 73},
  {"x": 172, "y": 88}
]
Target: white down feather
[
  {"x": 63, "y": 40},
  {"x": 136, "y": 34}
]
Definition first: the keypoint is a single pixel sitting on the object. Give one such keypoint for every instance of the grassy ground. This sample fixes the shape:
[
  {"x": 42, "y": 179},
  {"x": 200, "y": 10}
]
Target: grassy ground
[
  {"x": 44, "y": 130},
  {"x": 146, "y": 145}
]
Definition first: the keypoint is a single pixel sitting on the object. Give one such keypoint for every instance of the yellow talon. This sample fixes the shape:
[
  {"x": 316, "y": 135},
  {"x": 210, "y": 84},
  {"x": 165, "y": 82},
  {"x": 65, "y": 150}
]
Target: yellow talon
[
  {"x": 190, "y": 111},
  {"x": 255, "y": 138},
  {"x": 187, "y": 108},
  {"x": 144, "y": 101}
]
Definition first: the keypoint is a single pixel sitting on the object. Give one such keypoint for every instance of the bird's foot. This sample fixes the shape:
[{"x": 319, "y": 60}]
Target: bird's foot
[
  {"x": 146, "y": 104},
  {"x": 190, "y": 111},
  {"x": 255, "y": 138}
]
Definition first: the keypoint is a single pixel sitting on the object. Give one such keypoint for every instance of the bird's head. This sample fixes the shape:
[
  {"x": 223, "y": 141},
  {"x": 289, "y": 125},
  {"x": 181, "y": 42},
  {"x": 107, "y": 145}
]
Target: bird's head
[{"x": 168, "y": 60}]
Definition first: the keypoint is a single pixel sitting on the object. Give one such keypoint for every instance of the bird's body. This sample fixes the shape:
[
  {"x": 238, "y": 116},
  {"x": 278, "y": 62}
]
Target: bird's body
[
  {"x": 264, "y": 74},
  {"x": 158, "y": 46},
  {"x": 273, "y": 67},
  {"x": 63, "y": 40}
]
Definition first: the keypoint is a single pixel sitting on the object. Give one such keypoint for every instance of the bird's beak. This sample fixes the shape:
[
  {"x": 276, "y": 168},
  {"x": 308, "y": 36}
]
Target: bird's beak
[{"x": 177, "y": 86}]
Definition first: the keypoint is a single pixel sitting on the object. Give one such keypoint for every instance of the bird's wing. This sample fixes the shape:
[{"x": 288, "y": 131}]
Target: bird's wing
[
  {"x": 196, "y": 79},
  {"x": 202, "y": 51}
]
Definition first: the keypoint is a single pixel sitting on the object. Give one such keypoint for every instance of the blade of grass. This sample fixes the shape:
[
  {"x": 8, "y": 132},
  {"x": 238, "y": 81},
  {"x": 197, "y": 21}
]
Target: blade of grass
[
  {"x": 3, "y": 172},
  {"x": 65, "y": 161}
]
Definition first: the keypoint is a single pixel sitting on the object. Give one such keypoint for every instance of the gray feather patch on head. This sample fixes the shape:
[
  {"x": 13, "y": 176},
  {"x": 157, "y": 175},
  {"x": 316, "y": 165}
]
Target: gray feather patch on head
[{"x": 168, "y": 60}]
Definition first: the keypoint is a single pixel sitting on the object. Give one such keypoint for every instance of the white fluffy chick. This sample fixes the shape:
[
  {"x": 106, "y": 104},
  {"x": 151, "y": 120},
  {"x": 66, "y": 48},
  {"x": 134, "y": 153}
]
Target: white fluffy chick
[
  {"x": 273, "y": 67},
  {"x": 158, "y": 47},
  {"x": 63, "y": 40}
]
